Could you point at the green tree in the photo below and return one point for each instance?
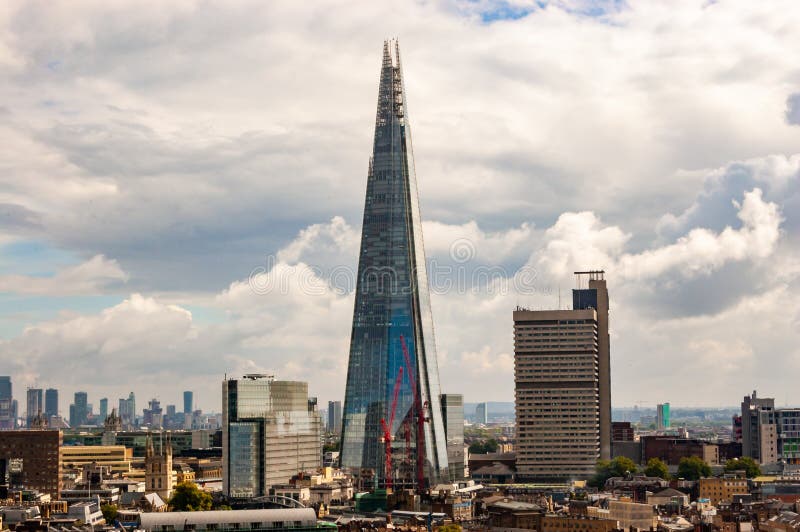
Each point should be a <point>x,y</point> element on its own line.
<point>656,468</point>
<point>618,467</point>
<point>693,468</point>
<point>109,513</point>
<point>187,497</point>
<point>483,447</point>
<point>748,465</point>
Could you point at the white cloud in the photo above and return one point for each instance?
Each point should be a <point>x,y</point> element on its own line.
<point>703,251</point>
<point>91,277</point>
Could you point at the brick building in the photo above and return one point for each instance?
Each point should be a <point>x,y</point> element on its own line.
<point>31,460</point>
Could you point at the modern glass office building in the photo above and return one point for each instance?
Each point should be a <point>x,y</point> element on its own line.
<point>271,431</point>
<point>392,307</point>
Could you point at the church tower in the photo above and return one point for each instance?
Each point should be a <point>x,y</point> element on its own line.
<point>158,468</point>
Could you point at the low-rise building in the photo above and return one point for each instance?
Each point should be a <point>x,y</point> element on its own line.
<point>668,497</point>
<point>564,523</point>
<point>116,457</point>
<point>514,514</point>
<point>294,520</point>
<point>718,489</point>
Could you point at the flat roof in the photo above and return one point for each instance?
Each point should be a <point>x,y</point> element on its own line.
<point>179,519</point>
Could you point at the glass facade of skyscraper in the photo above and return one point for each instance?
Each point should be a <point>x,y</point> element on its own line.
<point>270,432</point>
<point>392,305</point>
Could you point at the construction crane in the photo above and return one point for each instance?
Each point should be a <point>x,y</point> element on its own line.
<point>387,429</point>
<point>419,413</point>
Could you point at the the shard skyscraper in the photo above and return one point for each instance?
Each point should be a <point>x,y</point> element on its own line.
<point>392,432</point>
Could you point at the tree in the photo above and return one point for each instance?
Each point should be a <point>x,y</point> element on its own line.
<point>110,513</point>
<point>618,467</point>
<point>187,497</point>
<point>656,468</point>
<point>483,447</point>
<point>693,468</point>
<point>748,465</point>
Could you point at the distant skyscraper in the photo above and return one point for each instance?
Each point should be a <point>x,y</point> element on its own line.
<point>127,411</point>
<point>153,415</point>
<point>335,417</point>
<point>392,307</point>
<point>5,387</point>
<point>482,413</point>
<point>453,417</point>
<point>51,402</point>
<point>662,416</point>
<point>79,410</point>
<point>7,415</point>
<point>103,409</point>
<point>35,402</point>
<point>271,431</point>
<point>188,402</point>
<point>562,386</point>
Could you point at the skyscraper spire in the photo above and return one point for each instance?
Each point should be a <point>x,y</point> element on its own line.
<point>392,308</point>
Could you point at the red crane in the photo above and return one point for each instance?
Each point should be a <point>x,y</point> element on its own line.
<point>387,429</point>
<point>419,412</point>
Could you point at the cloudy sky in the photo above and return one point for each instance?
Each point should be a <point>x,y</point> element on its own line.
<point>183,184</point>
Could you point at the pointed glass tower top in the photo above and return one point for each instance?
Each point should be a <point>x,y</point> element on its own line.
<point>392,308</point>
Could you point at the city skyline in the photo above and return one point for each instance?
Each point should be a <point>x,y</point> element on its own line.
<point>147,185</point>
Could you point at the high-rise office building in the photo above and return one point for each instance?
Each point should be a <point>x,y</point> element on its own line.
<point>453,417</point>
<point>335,417</point>
<point>127,411</point>
<point>392,312</point>
<point>103,409</point>
<point>270,431</point>
<point>79,410</point>
<point>562,386</point>
<point>51,402</point>
<point>759,429</point>
<point>482,413</point>
<point>595,296</point>
<point>35,403</point>
<point>662,416</point>
<point>7,415</point>
<point>188,402</point>
<point>153,415</point>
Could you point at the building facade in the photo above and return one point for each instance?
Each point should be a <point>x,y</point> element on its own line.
<point>35,405</point>
<point>482,413</point>
<point>271,431</point>
<point>718,489</point>
<point>188,402</point>
<point>392,345</point>
<point>158,474</point>
<point>662,416</point>
<point>335,417</point>
<point>30,459</point>
<point>562,391</point>
<point>453,417</point>
<point>79,410</point>
<point>7,415</point>
<point>51,402</point>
